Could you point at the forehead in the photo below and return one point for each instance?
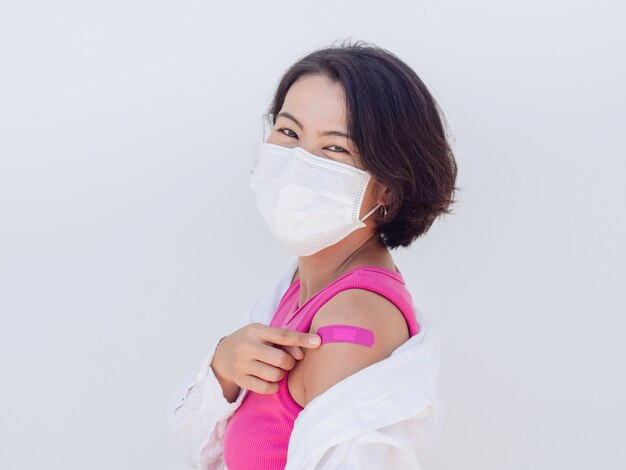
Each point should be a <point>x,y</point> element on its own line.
<point>317,102</point>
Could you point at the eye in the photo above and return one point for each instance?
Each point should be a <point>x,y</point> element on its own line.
<point>286,129</point>
<point>342,150</point>
<point>295,136</point>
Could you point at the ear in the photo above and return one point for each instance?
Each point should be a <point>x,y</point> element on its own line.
<point>383,194</point>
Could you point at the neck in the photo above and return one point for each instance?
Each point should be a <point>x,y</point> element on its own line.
<point>320,269</point>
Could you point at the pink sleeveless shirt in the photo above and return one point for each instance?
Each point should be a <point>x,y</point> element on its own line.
<point>257,434</point>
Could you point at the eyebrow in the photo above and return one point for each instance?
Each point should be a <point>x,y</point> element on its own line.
<point>292,117</point>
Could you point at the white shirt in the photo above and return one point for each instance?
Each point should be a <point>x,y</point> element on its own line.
<point>377,418</point>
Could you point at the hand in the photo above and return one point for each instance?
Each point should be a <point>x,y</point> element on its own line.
<point>253,358</point>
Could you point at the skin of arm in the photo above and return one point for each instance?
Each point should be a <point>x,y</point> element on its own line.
<point>325,366</point>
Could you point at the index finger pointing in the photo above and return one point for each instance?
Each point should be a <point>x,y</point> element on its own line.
<point>287,337</point>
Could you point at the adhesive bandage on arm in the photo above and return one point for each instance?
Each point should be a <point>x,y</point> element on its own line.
<point>346,334</point>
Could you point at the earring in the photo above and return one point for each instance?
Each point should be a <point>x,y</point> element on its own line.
<point>384,211</point>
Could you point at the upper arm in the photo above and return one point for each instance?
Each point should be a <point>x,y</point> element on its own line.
<point>330,363</point>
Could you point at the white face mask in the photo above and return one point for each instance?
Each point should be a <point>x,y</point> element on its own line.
<point>308,202</point>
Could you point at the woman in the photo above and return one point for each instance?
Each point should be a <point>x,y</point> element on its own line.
<point>356,163</point>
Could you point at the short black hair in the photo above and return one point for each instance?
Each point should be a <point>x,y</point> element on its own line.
<point>398,128</point>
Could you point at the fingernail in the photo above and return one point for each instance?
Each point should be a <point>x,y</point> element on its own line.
<point>314,339</point>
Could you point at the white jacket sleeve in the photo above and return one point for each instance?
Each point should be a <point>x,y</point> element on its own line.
<point>387,448</point>
<point>197,412</point>
<point>392,447</point>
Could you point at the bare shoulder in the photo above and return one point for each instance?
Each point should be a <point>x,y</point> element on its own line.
<point>323,367</point>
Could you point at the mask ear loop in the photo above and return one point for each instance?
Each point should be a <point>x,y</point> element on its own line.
<point>371,212</point>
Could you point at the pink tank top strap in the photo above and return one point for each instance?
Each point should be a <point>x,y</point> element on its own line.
<point>380,280</point>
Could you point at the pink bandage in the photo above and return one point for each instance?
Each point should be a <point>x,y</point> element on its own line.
<point>346,334</point>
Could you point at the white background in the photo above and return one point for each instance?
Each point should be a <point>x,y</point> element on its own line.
<point>129,238</point>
